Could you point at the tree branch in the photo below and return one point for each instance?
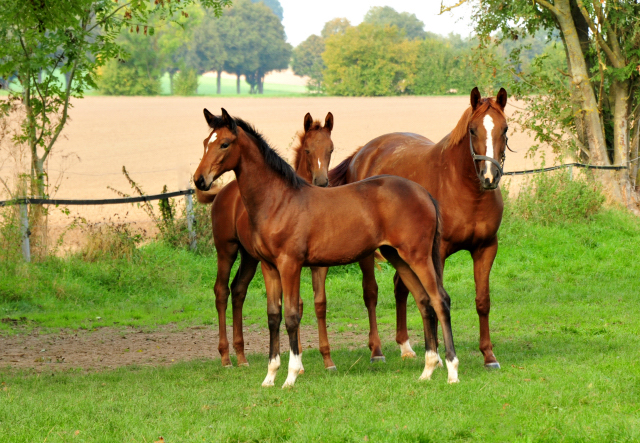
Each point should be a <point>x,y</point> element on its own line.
<point>549,6</point>
<point>613,57</point>
<point>101,22</point>
<point>444,8</point>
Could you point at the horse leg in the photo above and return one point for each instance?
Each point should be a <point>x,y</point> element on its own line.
<point>239,286</point>
<point>318,278</point>
<point>402,334</point>
<point>370,296</point>
<point>300,307</point>
<point>290,277</point>
<point>420,278</point>
<point>274,313</point>
<point>482,262</point>
<point>227,254</point>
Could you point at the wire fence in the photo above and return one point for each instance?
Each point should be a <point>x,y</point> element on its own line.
<point>24,202</point>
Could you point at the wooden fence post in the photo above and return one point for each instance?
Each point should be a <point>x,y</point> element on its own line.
<point>24,232</point>
<point>191,222</point>
<point>571,172</point>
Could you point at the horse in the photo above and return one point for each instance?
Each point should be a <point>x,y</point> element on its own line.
<point>462,171</point>
<point>294,224</point>
<point>232,235</point>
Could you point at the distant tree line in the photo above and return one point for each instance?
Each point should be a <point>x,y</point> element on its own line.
<point>248,40</point>
<point>390,53</point>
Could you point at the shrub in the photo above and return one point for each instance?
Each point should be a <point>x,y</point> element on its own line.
<point>127,79</point>
<point>185,82</point>
<point>111,241</point>
<point>550,198</point>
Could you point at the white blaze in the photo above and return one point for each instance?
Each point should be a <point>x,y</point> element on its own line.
<point>214,136</point>
<point>488,125</point>
<point>319,165</point>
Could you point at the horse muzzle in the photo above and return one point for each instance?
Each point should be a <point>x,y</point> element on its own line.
<point>201,184</point>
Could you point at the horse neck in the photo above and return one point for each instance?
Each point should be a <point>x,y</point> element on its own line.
<point>260,186</point>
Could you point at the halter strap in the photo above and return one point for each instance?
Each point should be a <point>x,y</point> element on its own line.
<point>478,158</point>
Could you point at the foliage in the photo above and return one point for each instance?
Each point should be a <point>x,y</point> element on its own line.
<point>369,60</point>
<point>336,26</point>
<point>552,198</point>
<point>127,79</point>
<point>110,241</point>
<point>274,5</point>
<point>186,82</point>
<point>307,61</point>
<point>599,87</point>
<point>387,16</point>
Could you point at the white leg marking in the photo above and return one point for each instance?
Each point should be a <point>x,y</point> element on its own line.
<point>430,362</point>
<point>295,363</point>
<point>439,362</point>
<point>452,367</point>
<point>406,351</point>
<point>272,370</point>
<point>488,125</point>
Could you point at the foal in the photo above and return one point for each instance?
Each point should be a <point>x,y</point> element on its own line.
<point>232,235</point>
<point>294,224</point>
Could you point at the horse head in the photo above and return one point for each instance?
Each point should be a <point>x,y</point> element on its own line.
<point>487,129</point>
<point>219,155</point>
<point>314,153</point>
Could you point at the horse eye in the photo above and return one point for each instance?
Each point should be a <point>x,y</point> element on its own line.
<point>307,151</point>
<point>473,131</point>
<point>224,146</point>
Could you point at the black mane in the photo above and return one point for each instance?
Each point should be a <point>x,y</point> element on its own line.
<point>272,158</point>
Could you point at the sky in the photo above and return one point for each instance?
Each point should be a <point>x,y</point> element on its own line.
<point>304,17</point>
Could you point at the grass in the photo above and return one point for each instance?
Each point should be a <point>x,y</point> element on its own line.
<point>565,328</point>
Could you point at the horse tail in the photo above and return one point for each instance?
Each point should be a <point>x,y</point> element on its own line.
<point>206,197</point>
<point>435,248</point>
<point>338,175</point>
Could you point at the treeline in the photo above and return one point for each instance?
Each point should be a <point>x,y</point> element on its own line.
<point>390,53</point>
<point>248,40</point>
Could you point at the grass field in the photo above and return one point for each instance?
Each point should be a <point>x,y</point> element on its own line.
<point>565,328</point>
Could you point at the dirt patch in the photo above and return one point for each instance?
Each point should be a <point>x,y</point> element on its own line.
<point>109,348</point>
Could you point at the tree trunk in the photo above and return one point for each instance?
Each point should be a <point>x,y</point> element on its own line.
<point>171,74</point>
<point>218,81</point>
<point>261,85</point>
<point>238,83</point>
<point>620,93</point>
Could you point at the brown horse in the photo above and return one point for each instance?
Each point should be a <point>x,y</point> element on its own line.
<point>462,172</point>
<point>232,234</point>
<point>294,224</point>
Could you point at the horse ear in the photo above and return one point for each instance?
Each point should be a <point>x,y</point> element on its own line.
<point>210,118</point>
<point>501,98</point>
<point>328,122</point>
<point>228,121</point>
<point>308,120</point>
<point>475,98</point>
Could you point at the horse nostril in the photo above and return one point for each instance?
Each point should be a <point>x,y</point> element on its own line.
<point>200,183</point>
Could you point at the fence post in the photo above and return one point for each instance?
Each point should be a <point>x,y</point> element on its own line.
<point>24,232</point>
<point>191,222</point>
<point>571,172</point>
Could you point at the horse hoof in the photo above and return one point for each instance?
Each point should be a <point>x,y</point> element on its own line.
<point>332,369</point>
<point>267,384</point>
<point>492,366</point>
<point>244,364</point>
<point>378,358</point>
<point>408,355</point>
<point>301,371</point>
<point>228,366</point>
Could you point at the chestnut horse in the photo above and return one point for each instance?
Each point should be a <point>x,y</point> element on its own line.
<point>462,172</point>
<point>294,224</point>
<point>232,235</point>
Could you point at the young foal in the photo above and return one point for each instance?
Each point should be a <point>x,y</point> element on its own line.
<point>232,234</point>
<point>294,224</point>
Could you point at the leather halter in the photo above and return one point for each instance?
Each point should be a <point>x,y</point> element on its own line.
<point>500,165</point>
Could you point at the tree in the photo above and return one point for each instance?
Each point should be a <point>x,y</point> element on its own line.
<point>307,60</point>
<point>274,5</point>
<point>601,86</point>
<point>369,60</point>
<point>254,42</point>
<point>387,16</point>
<point>207,50</point>
<point>39,39</point>
<point>336,26</point>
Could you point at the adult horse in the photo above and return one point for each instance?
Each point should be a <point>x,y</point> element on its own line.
<point>462,172</point>
<point>232,235</point>
<point>294,224</point>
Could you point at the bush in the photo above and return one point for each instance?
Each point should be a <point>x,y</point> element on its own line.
<point>111,241</point>
<point>550,198</point>
<point>126,79</point>
<point>10,237</point>
<point>185,83</point>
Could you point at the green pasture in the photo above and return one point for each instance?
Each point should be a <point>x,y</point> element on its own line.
<point>565,327</point>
